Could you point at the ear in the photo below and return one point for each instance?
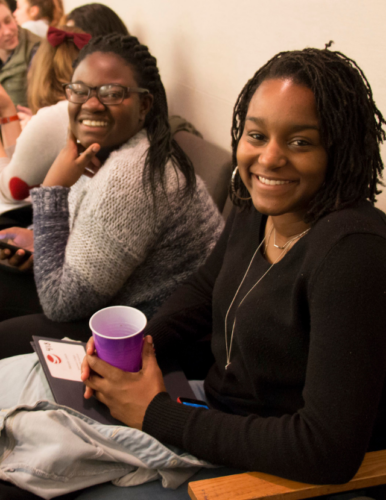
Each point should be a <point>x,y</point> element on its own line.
<point>146,104</point>
<point>34,12</point>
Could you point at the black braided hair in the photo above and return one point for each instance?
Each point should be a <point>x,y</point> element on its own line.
<point>350,125</point>
<point>162,147</point>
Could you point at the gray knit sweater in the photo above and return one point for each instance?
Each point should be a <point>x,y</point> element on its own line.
<point>107,241</point>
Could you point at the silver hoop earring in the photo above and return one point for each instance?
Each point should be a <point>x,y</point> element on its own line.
<point>233,185</point>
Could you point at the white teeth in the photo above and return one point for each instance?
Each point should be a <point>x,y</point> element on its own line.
<point>94,123</point>
<point>271,182</point>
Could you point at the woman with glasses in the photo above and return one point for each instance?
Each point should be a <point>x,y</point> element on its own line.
<point>120,217</point>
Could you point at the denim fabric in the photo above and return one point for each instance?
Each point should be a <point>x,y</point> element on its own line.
<point>51,450</point>
<point>62,435</point>
<point>197,387</point>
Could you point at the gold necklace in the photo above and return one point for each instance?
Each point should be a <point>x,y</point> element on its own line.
<point>285,245</point>
<point>285,248</point>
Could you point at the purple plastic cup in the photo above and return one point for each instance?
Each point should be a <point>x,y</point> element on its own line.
<point>118,338</point>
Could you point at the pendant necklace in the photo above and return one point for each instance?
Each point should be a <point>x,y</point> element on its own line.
<point>284,249</point>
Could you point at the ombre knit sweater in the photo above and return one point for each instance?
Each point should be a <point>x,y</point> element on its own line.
<point>107,241</point>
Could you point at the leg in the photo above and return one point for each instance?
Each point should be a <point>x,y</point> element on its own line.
<point>10,492</point>
<point>16,334</point>
<point>18,295</point>
<point>21,217</point>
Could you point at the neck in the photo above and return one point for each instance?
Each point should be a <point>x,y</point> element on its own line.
<point>287,226</point>
<point>279,231</point>
<point>104,153</point>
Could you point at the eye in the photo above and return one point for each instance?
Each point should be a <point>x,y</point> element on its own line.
<point>256,136</point>
<point>79,90</point>
<point>111,92</point>
<point>301,142</point>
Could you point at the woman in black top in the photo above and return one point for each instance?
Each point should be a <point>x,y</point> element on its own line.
<point>294,293</point>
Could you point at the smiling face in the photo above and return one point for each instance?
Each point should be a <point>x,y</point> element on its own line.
<point>280,155</point>
<point>109,126</point>
<point>9,38</point>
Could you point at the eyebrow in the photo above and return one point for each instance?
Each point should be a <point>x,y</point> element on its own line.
<point>294,128</point>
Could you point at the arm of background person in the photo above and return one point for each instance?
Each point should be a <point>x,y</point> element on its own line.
<point>36,149</point>
<point>24,114</point>
<point>9,131</point>
<point>325,441</point>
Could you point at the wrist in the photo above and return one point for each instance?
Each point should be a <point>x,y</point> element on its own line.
<point>9,118</point>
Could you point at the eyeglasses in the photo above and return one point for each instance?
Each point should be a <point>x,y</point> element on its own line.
<point>109,94</point>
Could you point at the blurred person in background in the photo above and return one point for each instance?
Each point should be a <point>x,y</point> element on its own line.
<point>12,5</point>
<point>17,48</point>
<point>96,19</point>
<point>37,15</point>
<point>21,162</point>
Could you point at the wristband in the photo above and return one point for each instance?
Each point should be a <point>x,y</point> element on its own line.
<point>8,119</point>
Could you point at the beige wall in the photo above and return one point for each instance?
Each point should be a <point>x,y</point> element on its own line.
<point>207,49</point>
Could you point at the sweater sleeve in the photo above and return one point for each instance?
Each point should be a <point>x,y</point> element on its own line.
<point>325,441</point>
<point>81,270</point>
<point>36,149</point>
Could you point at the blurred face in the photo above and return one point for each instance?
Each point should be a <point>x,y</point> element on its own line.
<point>280,155</point>
<point>9,38</point>
<point>22,13</point>
<point>109,126</point>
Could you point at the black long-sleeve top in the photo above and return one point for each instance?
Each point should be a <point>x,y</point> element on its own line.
<point>304,395</point>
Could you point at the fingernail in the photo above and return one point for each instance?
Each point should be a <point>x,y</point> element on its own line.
<point>95,149</point>
<point>20,252</point>
<point>149,340</point>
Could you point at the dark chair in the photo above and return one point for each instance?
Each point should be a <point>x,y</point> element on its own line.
<point>211,163</point>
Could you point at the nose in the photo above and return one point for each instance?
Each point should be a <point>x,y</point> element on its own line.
<point>272,155</point>
<point>93,103</point>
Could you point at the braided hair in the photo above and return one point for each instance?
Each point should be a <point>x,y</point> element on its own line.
<point>350,125</point>
<point>162,147</point>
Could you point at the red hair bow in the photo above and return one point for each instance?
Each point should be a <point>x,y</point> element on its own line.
<point>56,37</point>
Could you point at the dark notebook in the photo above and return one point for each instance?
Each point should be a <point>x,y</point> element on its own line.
<point>64,360</point>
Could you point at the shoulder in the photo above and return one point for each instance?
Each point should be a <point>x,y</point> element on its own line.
<point>42,138</point>
<point>38,27</point>
<point>245,224</point>
<point>58,111</point>
<point>49,124</point>
<point>132,152</point>
<point>27,38</point>
<point>346,241</point>
<point>136,144</point>
<point>361,219</point>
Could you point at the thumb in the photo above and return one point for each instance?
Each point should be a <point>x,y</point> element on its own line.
<point>84,159</point>
<point>148,353</point>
